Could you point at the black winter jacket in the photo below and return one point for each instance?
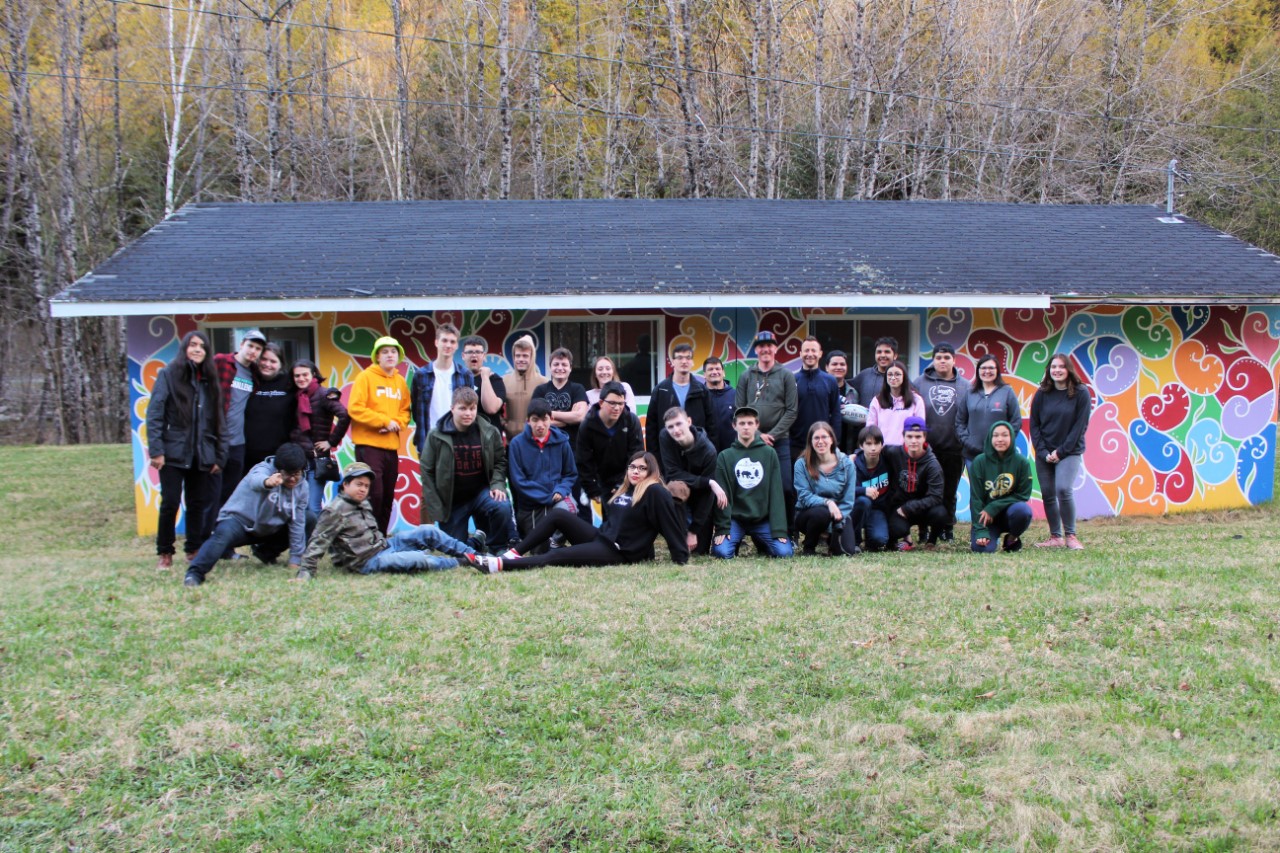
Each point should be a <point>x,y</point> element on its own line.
<point>602,458</point>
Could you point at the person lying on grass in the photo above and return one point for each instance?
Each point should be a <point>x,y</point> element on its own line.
<point>639,511</point>
<point>349,532</point>
<point>1000,486</point>
<point>268,510</point>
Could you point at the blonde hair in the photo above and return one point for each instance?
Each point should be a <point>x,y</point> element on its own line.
<point>655,476</point>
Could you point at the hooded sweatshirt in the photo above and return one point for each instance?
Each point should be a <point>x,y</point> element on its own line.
<point>752,479</point>
<point>263,511</point>
<point>997,482</point>
<point>634,525</point>
<point>942,399</point>
<point>979,411</point>
<point>539,473</point>
<point>878,478</point>
<point>602,453</point>
<point>377,398</point>
<point>917,483</point>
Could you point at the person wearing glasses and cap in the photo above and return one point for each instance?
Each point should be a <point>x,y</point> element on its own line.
<point>640,510</point>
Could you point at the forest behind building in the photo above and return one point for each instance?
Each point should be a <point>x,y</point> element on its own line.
<point>118,113</point>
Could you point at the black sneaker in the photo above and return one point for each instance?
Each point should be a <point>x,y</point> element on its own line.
<point>193,579</point>
<point>948,535</point>
<point>478,542</point>
<point>1012,543</point>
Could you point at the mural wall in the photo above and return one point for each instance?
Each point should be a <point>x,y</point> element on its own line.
<point>1184,398</point>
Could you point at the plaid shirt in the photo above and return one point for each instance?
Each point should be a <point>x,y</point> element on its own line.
<point>226,363</point>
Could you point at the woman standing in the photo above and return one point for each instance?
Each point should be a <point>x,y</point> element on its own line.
<point>602,373</point>
<point>322,423</point>
<point>999,488</point>
<point>988,401</point>
<point>185,442</point>
<point>271,415</point>
<point>895,403</point>
<point>639,511</point>
<point>825,491</point>
<point>1059,417</point>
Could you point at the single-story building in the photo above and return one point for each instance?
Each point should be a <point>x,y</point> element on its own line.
<point>1175,326</point>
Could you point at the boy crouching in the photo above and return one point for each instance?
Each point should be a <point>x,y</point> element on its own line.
<point>351,535</point>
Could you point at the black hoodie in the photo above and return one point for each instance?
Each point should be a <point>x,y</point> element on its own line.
<point>917,483</point>
<point>602,456</point>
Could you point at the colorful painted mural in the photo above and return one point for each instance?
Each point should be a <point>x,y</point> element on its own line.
<point>1184,398</point>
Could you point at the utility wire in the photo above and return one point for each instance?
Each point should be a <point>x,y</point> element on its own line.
<point>737,75</point>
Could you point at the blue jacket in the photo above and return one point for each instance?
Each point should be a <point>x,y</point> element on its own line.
<point>424,383</point>
<point>538,473</point>
<point>263,511</point>
<point>839,486</point>
<point>818,396</point>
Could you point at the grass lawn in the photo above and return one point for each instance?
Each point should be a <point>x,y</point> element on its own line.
<point>1125,697</point>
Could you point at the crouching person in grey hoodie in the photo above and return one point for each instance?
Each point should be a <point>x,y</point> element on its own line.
<point>267,510</point>
<point>351,535</point>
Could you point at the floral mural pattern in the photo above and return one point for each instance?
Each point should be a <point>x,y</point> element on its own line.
<point>1184,410</point>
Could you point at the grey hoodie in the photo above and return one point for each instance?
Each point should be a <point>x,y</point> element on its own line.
<point>263,511</point>
<point>942,399</point>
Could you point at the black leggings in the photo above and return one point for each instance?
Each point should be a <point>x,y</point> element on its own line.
<point>814,521</point>
<point>588,547</point>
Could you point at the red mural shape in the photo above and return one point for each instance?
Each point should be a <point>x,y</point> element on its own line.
<point>1033,324</point>
<point>416,335</point>
<point>1245,377</point>
<point>1166,410</point>
<point>1257,337</point>
<point>999,344</point>
<point>1178,485</point>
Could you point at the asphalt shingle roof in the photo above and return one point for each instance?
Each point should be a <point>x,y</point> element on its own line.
<point>665,249</point>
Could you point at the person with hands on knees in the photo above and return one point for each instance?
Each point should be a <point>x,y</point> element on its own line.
<point>689,464</point>
<point>871,495</point>
<point>999,488</point>
<point>267,510</point>
<point>639,511</point>
<point>917,488</point>
<point>825,492</point>
<point>349,532</point>
<point>751,478</point>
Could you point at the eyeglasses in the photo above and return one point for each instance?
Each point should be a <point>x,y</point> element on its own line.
<point>473,352</point>
<point>614,403</point>
<point>638,468</point>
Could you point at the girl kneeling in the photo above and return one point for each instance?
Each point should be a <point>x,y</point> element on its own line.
<point>999,488</point>
<point>639,510</point>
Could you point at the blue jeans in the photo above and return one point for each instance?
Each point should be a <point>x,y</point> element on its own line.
<point>760,533</point>
<point>1014,520</point>
<point>406,552</point>
<point>315,493</point>
<point>493,517</point>
<point>870,522</point>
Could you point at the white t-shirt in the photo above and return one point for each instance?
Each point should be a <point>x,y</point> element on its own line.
<point>441,394</point>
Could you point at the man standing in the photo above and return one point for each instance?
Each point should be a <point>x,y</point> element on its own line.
<point>235,373</point>
<point>869,382</point>
<point>379,410</point>
<point>689,458</point>
<point>520,383</point>
<point>610,436</point>
<point>464,475</point>
<point>917,487</point>
<point>722,395</point>
<point>568,401</point>
<point>942,390</point>
<point>448,373</point>
<point>770,389</point>
<point>817,396</point>
<point>749,475</point>
<point>488,385</point>
<point>682,390</point>
<point>542,469</point>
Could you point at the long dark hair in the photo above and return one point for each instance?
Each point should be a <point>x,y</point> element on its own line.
<point>977,372</point>
<point>185,376</point>
<point>886,396</point>
<point>810,455</point>
<point>654,476</point>
<point>1073,381</point>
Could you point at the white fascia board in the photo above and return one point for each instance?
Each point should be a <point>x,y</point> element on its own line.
<point>472,302</point>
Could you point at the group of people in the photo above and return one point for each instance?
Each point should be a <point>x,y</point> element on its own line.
<point>511,465</point>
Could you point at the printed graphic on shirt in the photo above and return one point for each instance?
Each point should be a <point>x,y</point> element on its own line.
<point>1002,486</point>
<point>877,481</point>
<point>749,473</point>
<point>622,500</point>
<point>942,398</point>
<point>559,401</point>
<point>389,393</point>
<point>241,384</point>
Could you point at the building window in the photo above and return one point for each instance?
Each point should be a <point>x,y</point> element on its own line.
<point>857,336</point>
<point>629,343</point>
<point>296,341</point>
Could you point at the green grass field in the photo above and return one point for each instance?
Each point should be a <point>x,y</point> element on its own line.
<point>1122,698</point>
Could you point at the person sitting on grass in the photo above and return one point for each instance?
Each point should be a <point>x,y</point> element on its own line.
<point>999,488</point>
<point>639,511</point>
<point>268,510</point>
<point>349,532</point>
<point>917,493</point>
<point>871,495</point>
<point>542,470</point>
<point>825,484</point>
<point>751,478</point>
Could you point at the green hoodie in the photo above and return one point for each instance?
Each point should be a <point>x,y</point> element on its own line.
<point>752,479</point>
<point>997,482</point>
